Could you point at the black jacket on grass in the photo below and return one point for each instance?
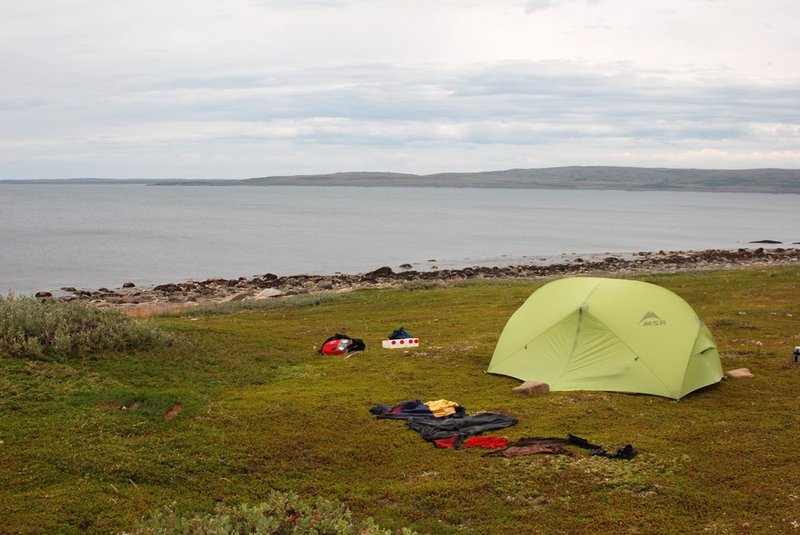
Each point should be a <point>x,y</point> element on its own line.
<point>435,428</point>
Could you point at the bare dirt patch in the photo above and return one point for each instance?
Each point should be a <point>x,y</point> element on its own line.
<point>173,411</point>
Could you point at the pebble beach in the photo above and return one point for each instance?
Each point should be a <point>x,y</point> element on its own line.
<point>191,293</point>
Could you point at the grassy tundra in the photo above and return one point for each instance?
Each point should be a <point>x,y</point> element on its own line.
<point>239,405</point>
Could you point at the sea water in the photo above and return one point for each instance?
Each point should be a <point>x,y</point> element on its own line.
<point>92,236</point>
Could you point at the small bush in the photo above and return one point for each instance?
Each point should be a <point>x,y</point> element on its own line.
<point>420,284</point>
<point>292,301</point>
<point>50,330</point>
<point>281,513</point>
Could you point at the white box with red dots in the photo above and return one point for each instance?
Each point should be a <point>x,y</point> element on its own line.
<point>401,343</point>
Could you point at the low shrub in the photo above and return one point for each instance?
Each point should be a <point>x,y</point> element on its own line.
<point>281,513</point>
<point>293,301</point>
<point>50,330</point>
<point>420,284</point>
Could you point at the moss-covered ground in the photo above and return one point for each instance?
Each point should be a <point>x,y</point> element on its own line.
<point>86,446</point>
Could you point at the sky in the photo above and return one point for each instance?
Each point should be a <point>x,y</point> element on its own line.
<point>250,88</point>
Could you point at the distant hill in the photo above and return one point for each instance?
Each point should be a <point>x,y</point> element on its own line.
<point>574,177</point>
<point>620,178</point>
<point>94,181</point>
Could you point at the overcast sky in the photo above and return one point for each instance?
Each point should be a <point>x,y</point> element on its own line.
<point>246,88</point>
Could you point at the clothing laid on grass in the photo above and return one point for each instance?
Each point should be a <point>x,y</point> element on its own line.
<point>445,423</point>
<point>533,445</point>
<point>457,441</point>
<point>443,407</point>
<point>556,445</point>
<point>415,408</point>
<point>627,452</point>
<point>436,428</point>
<point>489,442</point>
<point>452,443</point>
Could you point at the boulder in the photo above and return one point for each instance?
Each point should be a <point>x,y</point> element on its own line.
<point>739,373</point>
<point>532,388</point>
<point>233,298</point>
<point>128,285</point>
<point>168,288</point>
<point>268,293</point>
<point>384,271</point>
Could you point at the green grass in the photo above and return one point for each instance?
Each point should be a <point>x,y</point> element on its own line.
<point>262,412</point>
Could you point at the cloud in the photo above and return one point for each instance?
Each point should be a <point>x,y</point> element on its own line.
<point>300,4</point>
<point>540,5</point>
<point>324,85</point>
<point>514,103</point>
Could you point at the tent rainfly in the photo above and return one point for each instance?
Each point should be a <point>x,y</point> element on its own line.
<point>589,333</point>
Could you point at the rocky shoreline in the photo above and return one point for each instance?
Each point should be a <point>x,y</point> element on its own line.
<point>270,286</point>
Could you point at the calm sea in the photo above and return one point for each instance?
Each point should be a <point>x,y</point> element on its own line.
<point>92,236</point>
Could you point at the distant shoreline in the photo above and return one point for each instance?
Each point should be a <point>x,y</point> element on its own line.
<point>269,286</point>
<point>778,181</point>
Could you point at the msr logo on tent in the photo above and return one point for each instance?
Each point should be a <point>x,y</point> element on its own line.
<point>651,319</point>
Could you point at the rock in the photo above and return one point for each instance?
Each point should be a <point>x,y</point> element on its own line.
<point>765,241</point>
<point>233,298</point>
<point>167,288</point>
<point>532,388</point>
<point>384,271</point>
<point>268,293</point>
<point>43,295</point>
<point>216,289</point>
<point>739,373</point>
<point>405,266</point>
<point>263,282</point>
<point>129,285</point>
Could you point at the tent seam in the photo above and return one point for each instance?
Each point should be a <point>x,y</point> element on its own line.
<point>578,331</point>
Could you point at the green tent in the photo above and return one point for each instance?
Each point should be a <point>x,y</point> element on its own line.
<point>587,333</point>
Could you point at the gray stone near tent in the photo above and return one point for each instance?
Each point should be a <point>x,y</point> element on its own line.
<point>739,373</point>
<point>533,388</point>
